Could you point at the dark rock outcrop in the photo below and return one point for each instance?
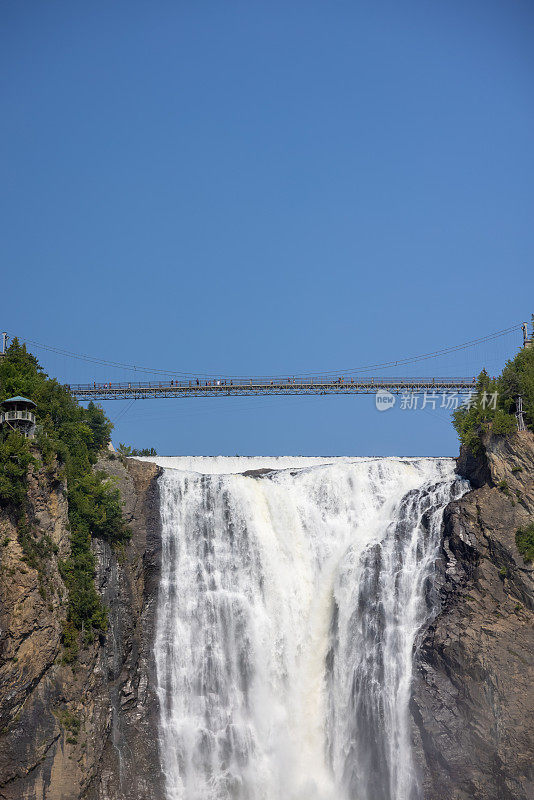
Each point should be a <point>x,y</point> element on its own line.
<point>473,702</point>
<point>86,730</point>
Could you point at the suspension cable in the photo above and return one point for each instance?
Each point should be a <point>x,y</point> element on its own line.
<point>351,371</point>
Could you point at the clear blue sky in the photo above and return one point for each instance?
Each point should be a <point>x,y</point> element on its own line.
<point>253,187</point>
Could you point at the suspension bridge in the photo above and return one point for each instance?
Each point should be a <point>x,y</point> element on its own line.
<point>245,387</point>
<point>160,383</point>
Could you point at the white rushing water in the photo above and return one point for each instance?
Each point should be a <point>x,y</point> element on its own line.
<point>289,608</point>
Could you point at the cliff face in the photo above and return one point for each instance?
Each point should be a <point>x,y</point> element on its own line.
<point>472,709</point>
<point>89,730</point>
<point>86,730</point>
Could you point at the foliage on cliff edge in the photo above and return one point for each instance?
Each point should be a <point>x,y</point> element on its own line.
<point>68,439</point>
<point>494,405</point>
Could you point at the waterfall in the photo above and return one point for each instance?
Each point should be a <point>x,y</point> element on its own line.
<point>289,608</point>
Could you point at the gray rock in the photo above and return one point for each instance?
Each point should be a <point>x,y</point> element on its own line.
<point>473,701</point>
<point>109,693</point>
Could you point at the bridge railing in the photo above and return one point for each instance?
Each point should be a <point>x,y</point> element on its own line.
<point>227,383</point>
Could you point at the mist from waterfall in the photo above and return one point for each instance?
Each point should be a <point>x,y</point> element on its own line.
<point>289,609</point>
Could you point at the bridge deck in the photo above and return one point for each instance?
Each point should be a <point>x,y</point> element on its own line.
<point>224,387</point>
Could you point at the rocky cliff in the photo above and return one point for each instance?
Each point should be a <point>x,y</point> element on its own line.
<point>86,729</point>
<point>473,703</point>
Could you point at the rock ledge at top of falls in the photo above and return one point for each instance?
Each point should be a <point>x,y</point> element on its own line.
<point>473,700</point>
<point>257,473</point>
<point>89,731</point>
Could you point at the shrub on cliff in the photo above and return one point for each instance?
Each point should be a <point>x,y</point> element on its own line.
<point>518,379</point>
<point>524,540</point>
<point>493,406</point>
<point>15,458</point>
<point>126,450</point>
<point>73,435</point>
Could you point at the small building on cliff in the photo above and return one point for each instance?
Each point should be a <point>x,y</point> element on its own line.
<point>17,414</point>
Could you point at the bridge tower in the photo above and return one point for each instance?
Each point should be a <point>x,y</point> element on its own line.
<point>519,414</point>
<point>528,340</point>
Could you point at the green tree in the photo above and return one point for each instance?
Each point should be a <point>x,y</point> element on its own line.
<point>15,458</point>
<point>494,404</point>
<point>518,379</point>
<point>100,426</point>
<point>144,451</point>
<point>72,436</point>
